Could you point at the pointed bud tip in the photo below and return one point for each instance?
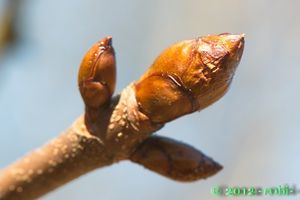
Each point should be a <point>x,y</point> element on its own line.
<point>106,42</point>
<point>234,37</point>
<point>233,41</point>
<point>240,36</point>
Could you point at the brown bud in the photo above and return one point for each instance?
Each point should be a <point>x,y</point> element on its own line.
<point>97,73</point>
<point>189,76</point>
<point>174,159</point>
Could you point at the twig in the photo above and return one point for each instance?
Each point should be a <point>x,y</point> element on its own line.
<point>188,76</point>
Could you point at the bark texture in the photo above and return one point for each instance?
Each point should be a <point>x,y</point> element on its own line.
<point>80,149</point>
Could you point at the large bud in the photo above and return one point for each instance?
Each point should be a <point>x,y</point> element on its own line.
<point>189,76</point>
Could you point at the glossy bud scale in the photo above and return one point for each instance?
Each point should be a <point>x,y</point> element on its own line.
<point>97,74</point>
<point>189,76</point>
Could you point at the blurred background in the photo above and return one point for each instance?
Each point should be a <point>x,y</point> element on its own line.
<point>253,131</point>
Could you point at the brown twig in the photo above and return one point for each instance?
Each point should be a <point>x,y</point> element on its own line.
<point>73,153</point>
<point>188,76</point>
<point>8,19</point>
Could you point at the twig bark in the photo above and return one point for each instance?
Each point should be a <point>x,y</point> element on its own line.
<point>70,155</point>
<point>78,150</point>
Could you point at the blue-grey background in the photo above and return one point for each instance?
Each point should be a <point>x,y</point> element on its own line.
<point>253,131</point>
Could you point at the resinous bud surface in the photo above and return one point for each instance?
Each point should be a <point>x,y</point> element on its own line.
<point>97,73</point>
<point>189,76</point>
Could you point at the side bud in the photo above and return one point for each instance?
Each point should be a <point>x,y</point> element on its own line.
<point>189,76</point>
<point>97,74</point>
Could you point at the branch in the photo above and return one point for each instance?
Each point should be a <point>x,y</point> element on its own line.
<point>186,77</point>
<point>8,18</point>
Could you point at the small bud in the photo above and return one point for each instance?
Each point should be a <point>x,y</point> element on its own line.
<point>97,74</point>
<point>174,159</point>
<point>189,76</point>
